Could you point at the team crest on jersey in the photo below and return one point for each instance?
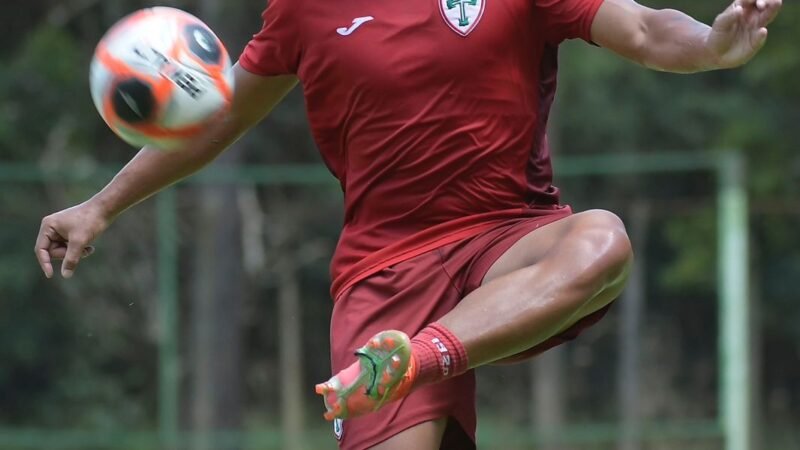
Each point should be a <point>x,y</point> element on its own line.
<point>462,16</point>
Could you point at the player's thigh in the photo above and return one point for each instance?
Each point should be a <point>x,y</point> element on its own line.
<point>425,436</point>
<point>537,244</point>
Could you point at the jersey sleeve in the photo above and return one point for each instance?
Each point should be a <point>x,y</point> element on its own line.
<point>275,50</point>
<point>567,19</point>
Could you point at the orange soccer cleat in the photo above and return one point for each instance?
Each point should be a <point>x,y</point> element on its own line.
<point>384,372</point>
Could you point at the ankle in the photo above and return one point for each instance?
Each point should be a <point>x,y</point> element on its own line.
<point>438,355</point>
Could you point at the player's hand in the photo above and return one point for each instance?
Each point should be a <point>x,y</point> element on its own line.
<point>741,30</point>
<point>66,235</point>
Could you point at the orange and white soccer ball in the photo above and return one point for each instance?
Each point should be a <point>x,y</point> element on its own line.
<point>159,76</point>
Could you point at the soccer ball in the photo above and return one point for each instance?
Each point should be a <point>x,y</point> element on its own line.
<point>159,76</point>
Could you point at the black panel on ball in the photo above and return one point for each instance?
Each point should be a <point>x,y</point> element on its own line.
<point>133,101</point>
<point>203,44</point>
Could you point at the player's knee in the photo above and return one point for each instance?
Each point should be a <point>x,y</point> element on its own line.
<point>609,246</point>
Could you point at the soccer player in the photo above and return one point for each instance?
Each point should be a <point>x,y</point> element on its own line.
<point>432,115</point>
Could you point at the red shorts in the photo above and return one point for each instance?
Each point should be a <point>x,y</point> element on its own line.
<point>410,295</point>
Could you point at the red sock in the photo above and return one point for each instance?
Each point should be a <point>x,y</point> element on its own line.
<point>438,354</point>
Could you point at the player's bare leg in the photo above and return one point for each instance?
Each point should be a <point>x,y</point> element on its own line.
<point>541,286</point>
<point>425,436</point>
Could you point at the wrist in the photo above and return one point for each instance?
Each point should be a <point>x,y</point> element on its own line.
<point>101,206</point>
<point>711,59</point>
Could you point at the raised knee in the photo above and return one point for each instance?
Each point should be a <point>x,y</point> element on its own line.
<point>605,235</point>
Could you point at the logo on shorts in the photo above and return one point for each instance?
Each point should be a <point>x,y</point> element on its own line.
<point>338,428</point>
<point>462,16</point>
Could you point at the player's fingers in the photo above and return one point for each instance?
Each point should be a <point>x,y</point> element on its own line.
<point>759,39</point>
<point>75,249</point>
<point>42,247</point>
<point>729,18</point>
<point>60,251</point>
<point>752,8</point>
<point>770,12</point>
<point>44,262</point>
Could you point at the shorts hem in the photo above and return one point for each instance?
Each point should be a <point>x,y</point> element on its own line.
<point>403,425</point>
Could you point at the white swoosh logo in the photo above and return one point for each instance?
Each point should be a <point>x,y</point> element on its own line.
<point>357,22</point>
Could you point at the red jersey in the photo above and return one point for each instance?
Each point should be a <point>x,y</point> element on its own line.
<point>430,113</point>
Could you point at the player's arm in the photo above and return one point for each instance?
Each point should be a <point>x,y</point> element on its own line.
<point>672,41</point>
<point>151,170</point>
<point>66,234</point>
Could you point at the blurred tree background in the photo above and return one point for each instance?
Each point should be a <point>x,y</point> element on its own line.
<point>82,354</point>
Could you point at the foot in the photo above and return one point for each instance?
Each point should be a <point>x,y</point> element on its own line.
<point>383,373</point>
